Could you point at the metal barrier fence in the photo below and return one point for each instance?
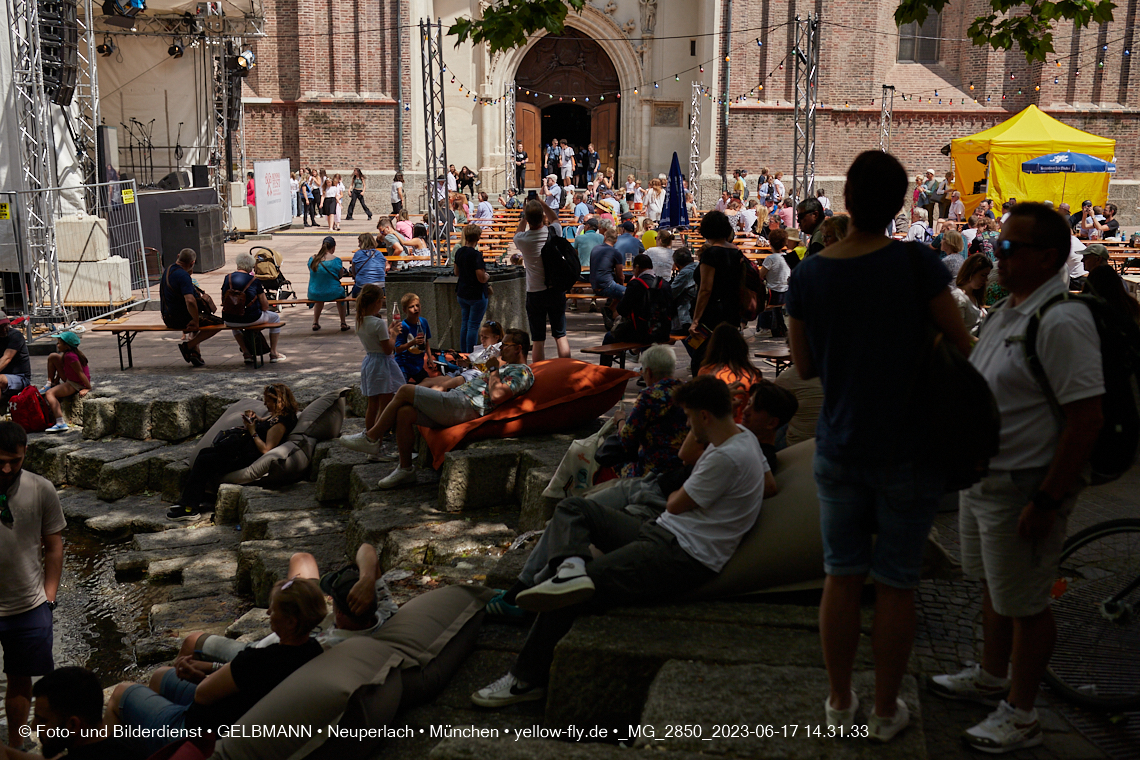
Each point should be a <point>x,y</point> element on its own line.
<point>99,265</point>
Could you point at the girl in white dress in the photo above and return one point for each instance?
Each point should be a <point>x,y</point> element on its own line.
<point>380,376</point>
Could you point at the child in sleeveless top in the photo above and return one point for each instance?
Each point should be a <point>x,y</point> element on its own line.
<point>68,374</point>
<point>380,375</point>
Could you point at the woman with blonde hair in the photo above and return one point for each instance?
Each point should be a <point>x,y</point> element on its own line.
<point>835,229</point>
<point>969,289</point>
<point>380,375</point>
<point>324,282</point>
<point>654,200</point>
<point>952,245</point>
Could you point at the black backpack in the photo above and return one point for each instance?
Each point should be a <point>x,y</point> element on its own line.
<point>1118,444</point>
<point>560,262</point>
<point>656,325</point>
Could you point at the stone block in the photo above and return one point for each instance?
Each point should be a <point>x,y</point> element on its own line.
<point>210,614</point>
<point>98,417</point>
<point>263,563</point>
<point>356,402</point>
<point>705,695</point>
<point>254,623</point>
<point>534,508</point>
<point>372,524</point>
<point>132,418</point>
<point>174,454</point>
<point>294,497</point>
<point>215,567</point>
<point>177,418</point>
<point>364,479</point>
<point>259,526</point>
<point>509,565</point>
<point>40,444</point>
<point>183,592</point>
<point>84,465</point>
<point>126,517</point>
<point>156,650</point>
<point>228,504</point>
<point>478,478</point>
<point>334,473</point>
<point>123,477</point>
<point>215,403</point>
<point>441,543</point>
<point>51,463</point>
<point>582,687</point>
<point>172,479</point>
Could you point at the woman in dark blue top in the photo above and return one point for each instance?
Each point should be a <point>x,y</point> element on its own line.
<point>472,290</point>
<point>868,476</point>
<point>256,311</point>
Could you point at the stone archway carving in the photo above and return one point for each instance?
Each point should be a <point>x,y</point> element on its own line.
<point>620,49</point>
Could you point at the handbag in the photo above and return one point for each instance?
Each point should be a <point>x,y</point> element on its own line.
<point>613,452</point>
<point>232,440</point>
<point>575,473</point>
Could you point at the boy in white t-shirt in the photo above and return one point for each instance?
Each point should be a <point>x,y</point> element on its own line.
<point>643,561</point>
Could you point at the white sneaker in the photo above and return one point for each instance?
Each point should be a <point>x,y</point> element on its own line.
<point>971,685</point>
<point>884,729</point>
<point>399,477</point>
<point>507,691</point>
<point>59,427</point>
<point>1005,730</point>
<point>570,585</point>
<point>360,442</point>
<point>841,718</point>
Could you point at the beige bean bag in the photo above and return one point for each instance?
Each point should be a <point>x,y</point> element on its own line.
<point>361,683</point>
<point>288,463</point>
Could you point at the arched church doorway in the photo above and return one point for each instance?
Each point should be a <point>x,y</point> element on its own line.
<point>567,89</point>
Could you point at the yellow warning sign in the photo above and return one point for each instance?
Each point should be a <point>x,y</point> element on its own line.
<point>128,196</point>
<point>4,212</point>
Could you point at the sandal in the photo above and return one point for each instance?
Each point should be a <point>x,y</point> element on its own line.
<point>316,327</point>
<point>344,327</point>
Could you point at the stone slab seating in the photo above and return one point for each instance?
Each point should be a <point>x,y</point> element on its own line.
<point>320,421</point>
<point>566,393</point>
<point>362,683</point>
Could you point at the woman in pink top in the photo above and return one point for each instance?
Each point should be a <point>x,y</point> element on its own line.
<point>68,374</point>
<point>250,196</point>
<point>787,214</point>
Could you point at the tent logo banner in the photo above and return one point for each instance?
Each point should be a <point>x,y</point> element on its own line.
<point>1060,158</point>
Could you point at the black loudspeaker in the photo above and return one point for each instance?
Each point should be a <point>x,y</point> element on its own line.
<point>196,227</point>
<point>201,174</point>
<point>174,181</point>
<point>59,46</point>
<point>107,151</point>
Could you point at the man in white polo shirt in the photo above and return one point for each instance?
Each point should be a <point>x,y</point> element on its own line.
<point>1013,522</point>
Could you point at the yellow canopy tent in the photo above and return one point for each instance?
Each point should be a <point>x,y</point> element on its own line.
<point>1023,137</point>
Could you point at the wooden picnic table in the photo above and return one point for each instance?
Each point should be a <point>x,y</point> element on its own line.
<point>779,356</point>
<point>125,333</point>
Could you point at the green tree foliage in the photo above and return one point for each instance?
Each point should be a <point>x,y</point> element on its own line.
<point>506,24</point>
<point>1014,23</point>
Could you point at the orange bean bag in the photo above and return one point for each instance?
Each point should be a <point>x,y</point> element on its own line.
<point>566,393</point>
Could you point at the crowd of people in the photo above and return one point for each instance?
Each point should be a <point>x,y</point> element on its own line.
<point>705,448</point>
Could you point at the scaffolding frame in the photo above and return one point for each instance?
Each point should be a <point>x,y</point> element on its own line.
<point>695,142</point>
<point>510,136</point>
<point>806,54</point>
<point>37,159</point>
<point>87,113</point>
<point>886,118</point>
<point>216,52</point>
<point>438,215</point>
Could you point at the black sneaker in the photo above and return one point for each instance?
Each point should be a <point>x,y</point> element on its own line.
<point>184,347</point>
<point>181,513</point>
<point>197,360</point>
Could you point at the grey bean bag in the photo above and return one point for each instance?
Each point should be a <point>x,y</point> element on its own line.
<point>288,463</point>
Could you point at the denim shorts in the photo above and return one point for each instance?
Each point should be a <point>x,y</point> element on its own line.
<point>139,706</point>
<point>26,639</point>
<point>16,382</point>
<point>876,517</point>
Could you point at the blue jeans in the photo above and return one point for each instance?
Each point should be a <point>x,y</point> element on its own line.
<point>612,290</point>
<point>139,706</point>
<point>892,502</point>
<point>471,315</point>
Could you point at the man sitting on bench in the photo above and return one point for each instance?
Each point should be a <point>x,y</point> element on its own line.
<point>643,561</point>
<point>183,304</point>
<point>637,308</point>
<point>508,376</point>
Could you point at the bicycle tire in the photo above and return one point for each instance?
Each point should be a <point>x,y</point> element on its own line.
<point>1094,664</point>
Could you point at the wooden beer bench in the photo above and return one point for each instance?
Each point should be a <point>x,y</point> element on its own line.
<point>125,335</point>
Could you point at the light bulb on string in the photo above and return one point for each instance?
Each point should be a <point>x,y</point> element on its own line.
<point>971,85</point>
<point>761,88</point>
<point>655,85</point>
<point>1037,88</point>
<point>1056,80</point>
<point>759,43</point>
<point>676,77</point>
<point>702,69</point>
<point>1100,63</point>
<point>727,58</point>
<point>634,90</point>
<point>1011,77</point>
<point>936,94</point>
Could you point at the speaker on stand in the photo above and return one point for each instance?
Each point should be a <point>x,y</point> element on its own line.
<point>59,46</point>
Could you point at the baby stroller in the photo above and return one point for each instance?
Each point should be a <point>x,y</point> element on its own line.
<point>267,270</point>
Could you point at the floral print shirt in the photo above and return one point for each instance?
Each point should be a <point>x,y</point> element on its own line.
<point>655,429</point>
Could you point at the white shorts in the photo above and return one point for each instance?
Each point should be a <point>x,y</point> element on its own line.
<point>567,172</point>
<point>1019,572</point>
<point>266,318</point>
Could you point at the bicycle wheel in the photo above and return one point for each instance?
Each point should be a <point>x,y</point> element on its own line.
<point>1095,662</point>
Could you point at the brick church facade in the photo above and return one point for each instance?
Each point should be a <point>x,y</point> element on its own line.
<point>339,85</point>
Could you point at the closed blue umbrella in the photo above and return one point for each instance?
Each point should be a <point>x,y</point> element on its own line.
<point>1056,163</point>
<point>675,213</point>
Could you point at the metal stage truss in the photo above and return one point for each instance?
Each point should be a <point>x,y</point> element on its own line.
<point>886,118</point>
<point>37,152</point>
<point>438,215</point>
<point>87,107</point>
<point>510,137</point>
<point>695,143</point>
<point>806,54</point>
